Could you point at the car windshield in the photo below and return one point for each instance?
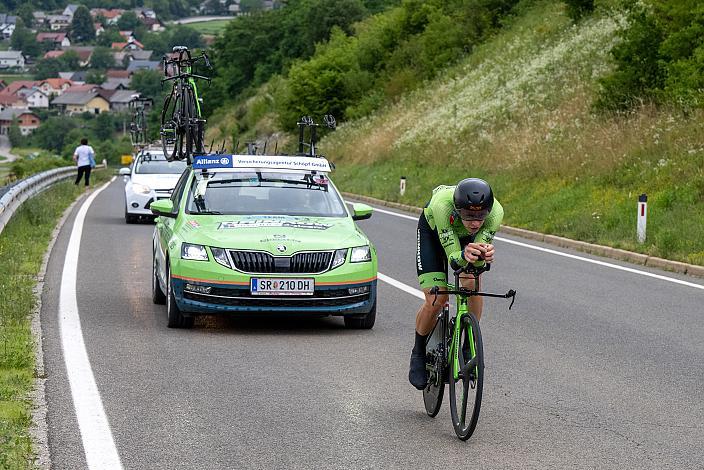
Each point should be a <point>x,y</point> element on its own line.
<point>265,193</point>
<point>151,164</point>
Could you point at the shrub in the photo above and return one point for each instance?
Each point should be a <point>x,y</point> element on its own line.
<point>576,9</point>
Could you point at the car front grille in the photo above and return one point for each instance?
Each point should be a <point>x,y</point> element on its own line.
<point>243,298</point>
<point>257,262</point>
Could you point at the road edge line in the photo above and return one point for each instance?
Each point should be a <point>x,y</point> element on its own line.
<point>98,443</point>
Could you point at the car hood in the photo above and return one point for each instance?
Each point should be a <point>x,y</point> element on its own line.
<point>157,181</point>
<point>279,235</point>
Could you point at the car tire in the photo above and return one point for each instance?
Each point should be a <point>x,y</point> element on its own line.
<point>174,316</point>
<point>158,296</point>
<point>129,218</point>
<point>365,322</point>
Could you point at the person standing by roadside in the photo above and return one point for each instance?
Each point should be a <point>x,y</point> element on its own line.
<point>84,156</point>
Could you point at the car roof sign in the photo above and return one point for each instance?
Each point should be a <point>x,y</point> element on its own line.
<point>216,161</point>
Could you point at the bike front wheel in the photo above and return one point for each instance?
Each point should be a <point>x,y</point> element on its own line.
<point>467,378</point>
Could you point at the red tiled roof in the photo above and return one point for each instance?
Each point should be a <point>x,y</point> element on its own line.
<point>8,99</point>
<point>56,37</point>
<point>53,54</point>
<point>15,86</point>
<point>114,73</point>
<point>57,83</point>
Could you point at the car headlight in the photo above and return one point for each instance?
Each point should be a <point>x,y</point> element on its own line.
<point>220,257</point>
<point>339,258</point>
<point>141,188</point>
<point>361,254</point>
<point>193,252</point>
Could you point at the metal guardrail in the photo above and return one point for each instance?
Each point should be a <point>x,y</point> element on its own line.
<point>28,187</point>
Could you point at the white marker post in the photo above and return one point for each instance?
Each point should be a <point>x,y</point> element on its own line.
<point>402,186</point>
<point>642,216</point>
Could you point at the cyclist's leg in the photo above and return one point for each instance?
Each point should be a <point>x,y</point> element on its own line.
<point>431,268</point>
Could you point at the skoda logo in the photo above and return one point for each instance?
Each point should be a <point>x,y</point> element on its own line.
<point>281,248</point>
<point>224,161</point>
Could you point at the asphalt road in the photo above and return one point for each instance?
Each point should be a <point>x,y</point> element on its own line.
<point>593,368</point>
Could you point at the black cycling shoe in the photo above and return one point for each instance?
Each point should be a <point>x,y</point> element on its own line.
<point>417,374</point>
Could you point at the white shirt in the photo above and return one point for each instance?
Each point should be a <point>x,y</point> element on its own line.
<point>83,153</point>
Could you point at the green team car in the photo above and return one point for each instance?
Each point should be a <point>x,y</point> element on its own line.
<point>249,234</point>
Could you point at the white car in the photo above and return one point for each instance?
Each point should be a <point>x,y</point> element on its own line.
<point>149,179</point>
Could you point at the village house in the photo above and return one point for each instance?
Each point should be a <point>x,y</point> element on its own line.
<point>136,65</point>
<point>34,97</point>
<point>70,10</point>
<point>58,22</point>
<point>12,60</point>
<point>78,77</point>
<point>57,40</point>
<point>28,121</point>
<point>54,86</point>
<point>131,45</point>
<point>113,83</point>
<point>111,16</point>
<point>39,18</point>
<point>11,100</point>
<point>7,25</point>
<point>120,100</point>
<point>82,102</point>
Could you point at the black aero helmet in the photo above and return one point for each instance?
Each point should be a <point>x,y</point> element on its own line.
<point>473,199</point>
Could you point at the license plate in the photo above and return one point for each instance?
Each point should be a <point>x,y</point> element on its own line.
<point>281,286</point>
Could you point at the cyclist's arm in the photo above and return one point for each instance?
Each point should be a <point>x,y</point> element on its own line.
<point>440,217</point>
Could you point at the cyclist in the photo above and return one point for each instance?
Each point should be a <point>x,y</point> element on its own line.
<point>458,224</point>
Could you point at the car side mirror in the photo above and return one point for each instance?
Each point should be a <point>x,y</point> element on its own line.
<point>163,207</point>
<point>361,211</point>
<point>125,172</point>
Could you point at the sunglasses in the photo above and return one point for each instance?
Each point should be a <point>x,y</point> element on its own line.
<point>470,215</point>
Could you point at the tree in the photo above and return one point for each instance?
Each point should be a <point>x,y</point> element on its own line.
<point>109,36</point>
<point>25,11</point>
<point>104,126</point>
<point>82,29</point>
<point>148,83</point>
<point>102,59</point>
<point>23,39</point>
<point>95,77</point>
<point>48,68</point>
<point>128,21</point>
<point>71,60</point>
<point>185,36</point>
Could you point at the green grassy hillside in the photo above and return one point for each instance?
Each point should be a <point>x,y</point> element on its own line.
<point>518,112</point>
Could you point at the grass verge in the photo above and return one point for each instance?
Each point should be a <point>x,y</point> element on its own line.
<point>23,243</point>
<point>209,27</point>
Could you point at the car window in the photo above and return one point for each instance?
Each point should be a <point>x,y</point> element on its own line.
<point>151,164</point>
<point>178,189</point>
<point>265,193</point>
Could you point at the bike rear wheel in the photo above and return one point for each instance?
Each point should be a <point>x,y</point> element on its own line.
<point>174,123</point>
<point>466,389</point>
<point>437,372</point>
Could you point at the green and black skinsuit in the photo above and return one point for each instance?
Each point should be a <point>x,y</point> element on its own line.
<point>442,236</point>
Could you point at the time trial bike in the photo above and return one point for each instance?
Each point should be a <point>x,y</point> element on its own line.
<point>455,354</point>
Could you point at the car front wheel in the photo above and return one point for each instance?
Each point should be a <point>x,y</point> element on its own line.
<point>365,322</point>
<point>158,296</point>
<point>174,317</point>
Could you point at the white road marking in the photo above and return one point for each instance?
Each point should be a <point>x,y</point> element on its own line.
<point>98,443</point>
<point>402,286</point>
<point>567,255</point>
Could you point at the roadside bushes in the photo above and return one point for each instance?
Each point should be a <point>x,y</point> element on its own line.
<point>389,54</point>
<point>661,57</point>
